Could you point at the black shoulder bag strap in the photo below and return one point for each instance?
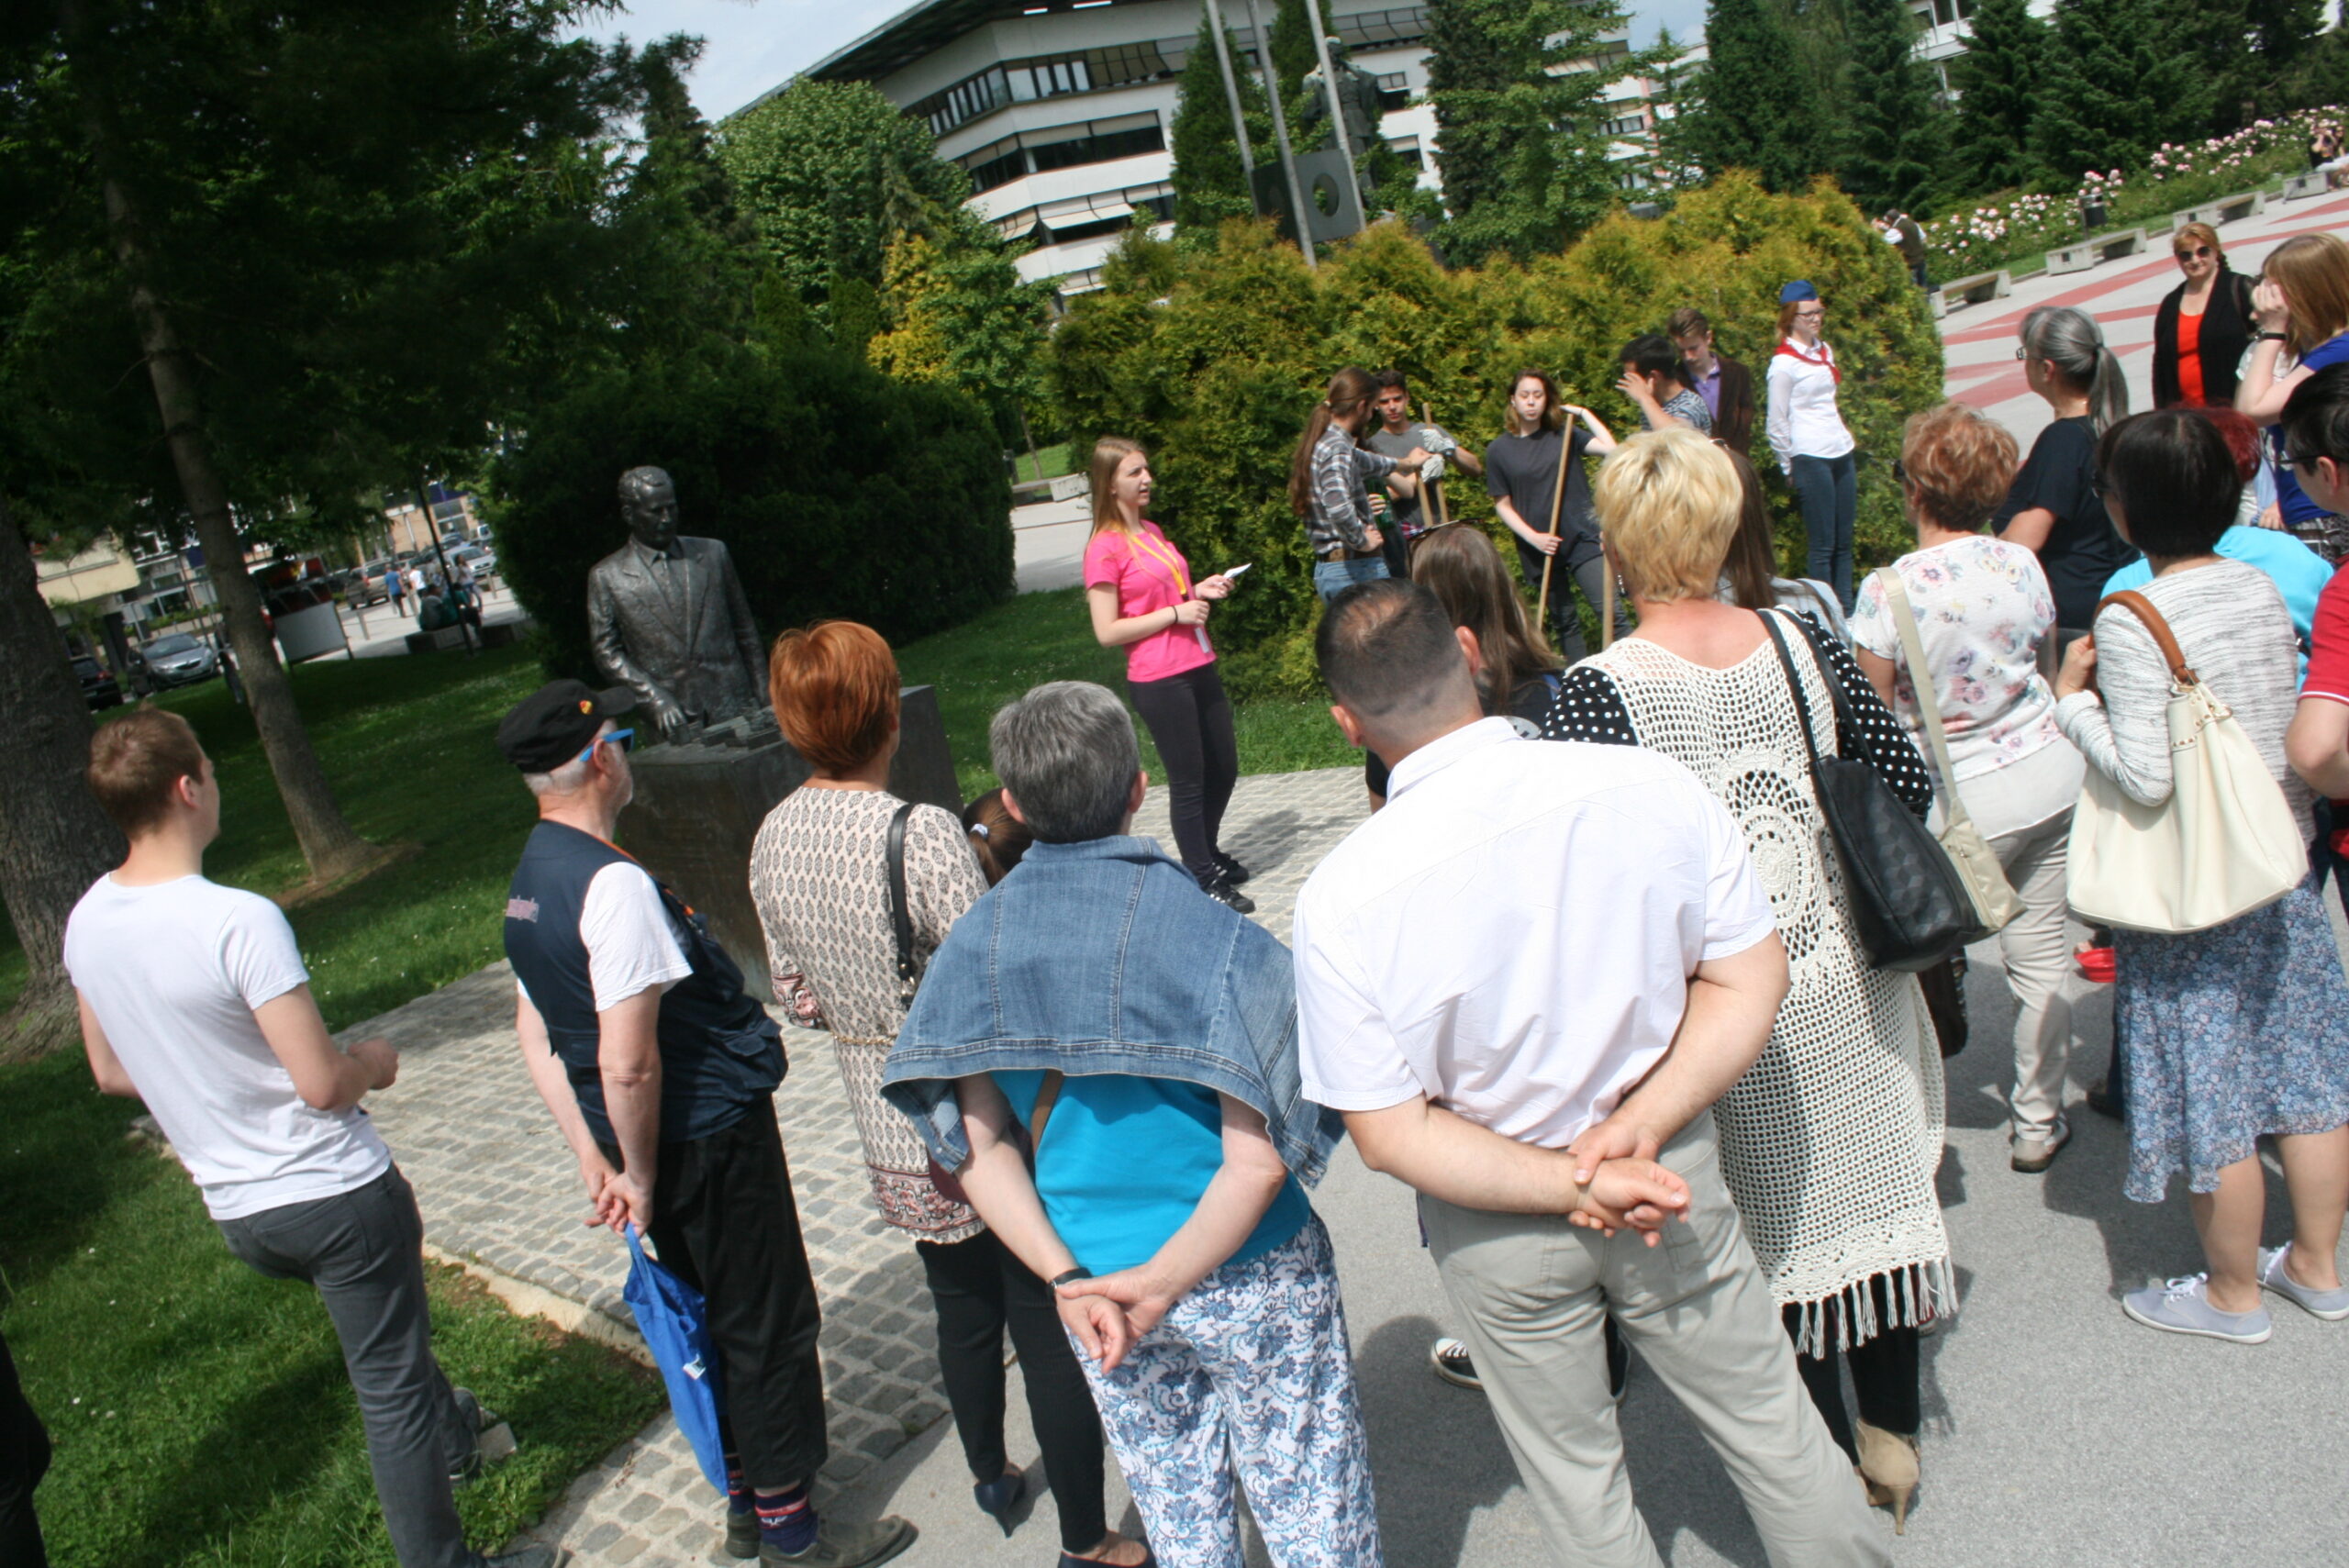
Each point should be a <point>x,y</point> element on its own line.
<point>901,916</point>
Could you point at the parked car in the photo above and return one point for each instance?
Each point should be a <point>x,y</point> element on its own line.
<point>98,689</point>
<point>364,586</point>
<point>176,659</point>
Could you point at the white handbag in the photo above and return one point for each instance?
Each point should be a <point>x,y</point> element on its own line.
<point>2223,844</point>
<point>1976,863</point>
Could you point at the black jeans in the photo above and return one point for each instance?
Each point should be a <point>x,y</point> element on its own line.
<point>363,1250</point>
<point>981,1290</point>
<point>1826,489</point>
<point>1580,565</point>
<point>1190,720</point>
<point>1884,1371</point>
<point>24,1459</point>
<point>723,1222</point>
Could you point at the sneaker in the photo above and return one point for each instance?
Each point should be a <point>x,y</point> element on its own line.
<point>532,1557</point>
<point>1223,893</point>
<point>845,1545</point>
<point>1453,1364</point>
<point>2332,1306</point>
<point>743,1533</point>
<point>1232,870</point>
<point>2034,1152</point>
<point>2183,1307</point>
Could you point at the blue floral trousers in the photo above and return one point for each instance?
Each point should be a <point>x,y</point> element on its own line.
<point>1251,1366</point>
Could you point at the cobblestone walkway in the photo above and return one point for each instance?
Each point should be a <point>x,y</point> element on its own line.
<point>498,1190</point>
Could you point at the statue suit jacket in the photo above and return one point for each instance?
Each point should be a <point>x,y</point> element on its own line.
<point>692,638</point>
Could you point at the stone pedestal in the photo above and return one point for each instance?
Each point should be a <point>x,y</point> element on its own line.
<point>698,806</point>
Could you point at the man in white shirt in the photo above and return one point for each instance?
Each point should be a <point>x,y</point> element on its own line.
<point>193,999</point>
<point>661,1073</point>
<point>1524,982</point>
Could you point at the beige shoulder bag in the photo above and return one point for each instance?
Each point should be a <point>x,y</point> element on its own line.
<point>1976,863</point>
<point>2224,843</point>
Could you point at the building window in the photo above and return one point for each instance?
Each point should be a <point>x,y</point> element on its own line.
<point>1393,92</point>
<point>1629,124</point>
<point>1407,148</point>
<point>1062,147</point>
<point>1050,76</point>
<point>1406,24</point>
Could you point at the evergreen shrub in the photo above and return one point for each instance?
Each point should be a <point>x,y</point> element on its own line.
<point>838,491</point>
<point>1212,359</point>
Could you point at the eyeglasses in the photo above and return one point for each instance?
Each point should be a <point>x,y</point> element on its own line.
<point>2022,352</point>
<point>2309,462</point>
<point>1900,471</point>
<point>2199,252</point>
<point>623,739</point>
<point>1811,315</point>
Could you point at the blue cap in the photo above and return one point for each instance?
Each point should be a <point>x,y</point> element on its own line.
<point>1798,289</point>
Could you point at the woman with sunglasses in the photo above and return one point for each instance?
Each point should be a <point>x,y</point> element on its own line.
<point>1814,446</point>
<point>2203,324</point>
<point>2302,307</point>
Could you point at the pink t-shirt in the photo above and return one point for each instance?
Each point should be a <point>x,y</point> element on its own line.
<point>1149,574</point>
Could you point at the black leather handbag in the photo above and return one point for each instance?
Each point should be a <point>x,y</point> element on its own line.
<point>1907,900</point>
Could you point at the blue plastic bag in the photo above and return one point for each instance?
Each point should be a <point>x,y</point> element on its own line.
<point>670,1314</point>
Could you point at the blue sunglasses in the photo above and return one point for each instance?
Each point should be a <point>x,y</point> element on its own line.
<point>623,739</point>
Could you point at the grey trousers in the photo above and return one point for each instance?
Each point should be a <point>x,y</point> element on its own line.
<point>2038,957</point>
<point>364,1251</point>
<point>1530,1293</point>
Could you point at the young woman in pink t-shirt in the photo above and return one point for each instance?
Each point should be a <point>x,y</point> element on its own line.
<point>1143,599</point>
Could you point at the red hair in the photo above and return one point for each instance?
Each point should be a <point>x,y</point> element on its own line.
<point>834,686</point>
<point>2243,439</point>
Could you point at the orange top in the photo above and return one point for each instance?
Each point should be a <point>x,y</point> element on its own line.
<point>2189,359</point>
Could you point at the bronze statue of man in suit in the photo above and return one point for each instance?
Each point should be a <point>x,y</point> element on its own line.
<point>668,618</point>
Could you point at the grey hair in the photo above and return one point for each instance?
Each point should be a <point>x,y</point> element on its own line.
<point>1066,752</point>
<point>568,779</point>
<point>2072,342</point>
<point>637,481</point>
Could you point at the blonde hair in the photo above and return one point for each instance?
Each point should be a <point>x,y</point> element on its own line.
<point>2314,272</point>
<point>1669,502</point>
<point>2201,234</point>
<point>1109,454</point>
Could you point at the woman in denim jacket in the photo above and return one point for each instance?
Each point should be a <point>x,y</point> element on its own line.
<point>1098,1014</point>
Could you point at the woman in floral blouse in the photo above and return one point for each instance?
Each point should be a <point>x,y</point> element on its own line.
<point>819,876</point>
<point>1982,607</point>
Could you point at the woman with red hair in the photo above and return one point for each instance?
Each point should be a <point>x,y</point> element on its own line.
<point>822,877</point>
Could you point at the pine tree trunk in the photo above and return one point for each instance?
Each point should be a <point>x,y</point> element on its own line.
<point>54,841</point>
<point>329,843</point>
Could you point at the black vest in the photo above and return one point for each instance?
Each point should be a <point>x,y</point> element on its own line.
<point>721,1055</point>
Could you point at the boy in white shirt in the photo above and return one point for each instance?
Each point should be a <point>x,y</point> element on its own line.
<point>194,998</point>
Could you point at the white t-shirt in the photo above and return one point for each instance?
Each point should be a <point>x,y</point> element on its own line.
<point>1512,936</point>
<point>173,972</point>
<point>631,946</point>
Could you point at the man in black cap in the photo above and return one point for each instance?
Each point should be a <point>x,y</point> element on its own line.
<point>661,1073</point>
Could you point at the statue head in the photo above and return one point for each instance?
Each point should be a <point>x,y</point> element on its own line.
<point>649,506</point>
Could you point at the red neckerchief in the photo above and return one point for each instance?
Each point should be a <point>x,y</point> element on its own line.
<point>1824,357</point>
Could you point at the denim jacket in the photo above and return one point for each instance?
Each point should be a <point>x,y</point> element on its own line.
<point>1105,957</point>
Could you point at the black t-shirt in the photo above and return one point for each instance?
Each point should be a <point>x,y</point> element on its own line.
<point>1525,469</point>
<point>2083,549</point>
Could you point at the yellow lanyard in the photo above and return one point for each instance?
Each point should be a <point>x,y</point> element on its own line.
<point>1167,556</point>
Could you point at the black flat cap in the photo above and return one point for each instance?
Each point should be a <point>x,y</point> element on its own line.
<point>555,723</point>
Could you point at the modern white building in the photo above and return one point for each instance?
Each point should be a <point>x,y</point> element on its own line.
<point>1062,110</point>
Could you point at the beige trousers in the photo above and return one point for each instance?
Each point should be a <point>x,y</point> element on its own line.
<point>1531,1292</point>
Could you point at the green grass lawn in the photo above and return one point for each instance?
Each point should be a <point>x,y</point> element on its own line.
<point>200,1413</point>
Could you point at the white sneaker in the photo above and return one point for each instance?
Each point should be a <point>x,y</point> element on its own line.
<point>2332,1306</point>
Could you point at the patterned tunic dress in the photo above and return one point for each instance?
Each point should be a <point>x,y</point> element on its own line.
<point>1829,1142</point>
<point>819,876</point>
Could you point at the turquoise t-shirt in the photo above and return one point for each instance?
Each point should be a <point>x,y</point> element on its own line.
<point>2297,571</point>
<point>1125,1161</point>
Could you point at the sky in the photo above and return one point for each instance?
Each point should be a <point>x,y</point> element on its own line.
<point>757,44</point>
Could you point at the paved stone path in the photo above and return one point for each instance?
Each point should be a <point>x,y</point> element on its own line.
<point>500,1192</point>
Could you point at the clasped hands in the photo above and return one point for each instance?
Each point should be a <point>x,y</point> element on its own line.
<point>1620,1183</point>
<point>1109,1314</point>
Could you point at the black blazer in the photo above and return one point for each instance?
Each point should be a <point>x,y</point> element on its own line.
<point>2226,333</point>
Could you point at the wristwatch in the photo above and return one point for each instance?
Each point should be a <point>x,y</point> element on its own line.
<point>1078,1272</point>
<point>2268,337</point>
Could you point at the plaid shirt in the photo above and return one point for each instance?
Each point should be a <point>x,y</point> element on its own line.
<point>1341,503</point>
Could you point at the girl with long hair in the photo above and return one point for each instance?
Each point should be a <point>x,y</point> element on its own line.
<point>1142,598</point>
<point>1814,446</point>
<point>1329,477</point>
<point>1521,475</point>
<point>2302,308</point>
<point>2054,510</point>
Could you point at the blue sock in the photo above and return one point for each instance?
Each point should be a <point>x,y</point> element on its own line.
<point>738,1491</point>
<point>787,1519</point>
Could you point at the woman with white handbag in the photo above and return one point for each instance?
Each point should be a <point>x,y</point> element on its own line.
<point>1967,664</point>
<point>2191,840</point>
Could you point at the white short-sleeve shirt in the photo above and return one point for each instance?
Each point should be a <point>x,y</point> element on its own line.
<point>1512,936</point>
<point>173,972</point>
<point>631,946</point>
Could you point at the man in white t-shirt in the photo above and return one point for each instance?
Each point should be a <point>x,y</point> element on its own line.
<point>194,998</point>
<point>1524,982</point>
